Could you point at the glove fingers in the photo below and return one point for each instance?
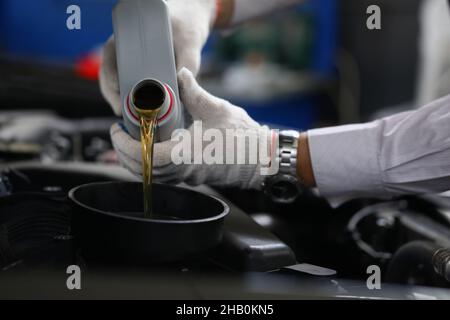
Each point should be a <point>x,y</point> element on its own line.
<point>125,142</point>
<point>129,154</point>
<point>109,82</point>
<point>162,153</point>
<point>133,165</point>
<point>200,104</point>
<point>128,149</point>
<point>188,57</point>
<point>164,174</point>
<point>130,164</point>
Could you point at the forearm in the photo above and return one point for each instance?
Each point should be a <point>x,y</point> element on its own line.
<point>232,12</point>
<point>407,153</point>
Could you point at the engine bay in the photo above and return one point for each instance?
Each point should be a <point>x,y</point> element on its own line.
<point>308,249</point>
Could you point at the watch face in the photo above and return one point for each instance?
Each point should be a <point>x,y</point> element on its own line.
<point>283,189</point>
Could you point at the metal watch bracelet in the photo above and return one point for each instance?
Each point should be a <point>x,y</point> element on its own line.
<point>287,152</point>
<point>285,186</point>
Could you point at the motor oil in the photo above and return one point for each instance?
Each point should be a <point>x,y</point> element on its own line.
<point>148,84</point>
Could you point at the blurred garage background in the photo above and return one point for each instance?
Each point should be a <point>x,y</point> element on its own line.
<point>313,66</point>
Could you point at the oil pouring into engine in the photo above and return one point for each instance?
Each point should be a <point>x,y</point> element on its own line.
<point>147,78</point>
<point>148,99</point>
<point>152,103</point>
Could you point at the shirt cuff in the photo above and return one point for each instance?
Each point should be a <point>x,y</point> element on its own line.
<point>345,160</point>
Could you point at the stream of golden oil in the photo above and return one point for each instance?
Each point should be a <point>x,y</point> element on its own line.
<point>149,120</point>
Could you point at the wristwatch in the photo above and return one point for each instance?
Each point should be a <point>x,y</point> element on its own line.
<point>285,186</point>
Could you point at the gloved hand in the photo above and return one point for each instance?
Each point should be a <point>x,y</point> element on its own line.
<point>214,113</point>
<point>191,23</point>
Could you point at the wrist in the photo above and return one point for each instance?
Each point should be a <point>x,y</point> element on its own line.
<point>224,10</point>
<point>305,171</point>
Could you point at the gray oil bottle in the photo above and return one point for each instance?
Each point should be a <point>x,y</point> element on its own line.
<point>146,61</point>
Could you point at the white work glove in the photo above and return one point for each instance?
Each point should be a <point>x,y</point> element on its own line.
<point>191,20</point>
<point>214,113</point>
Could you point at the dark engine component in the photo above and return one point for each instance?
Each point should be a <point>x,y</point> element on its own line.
<point>420,263</point>
<point>107,222</point>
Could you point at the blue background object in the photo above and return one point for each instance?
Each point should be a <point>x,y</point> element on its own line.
<point>36,29</point>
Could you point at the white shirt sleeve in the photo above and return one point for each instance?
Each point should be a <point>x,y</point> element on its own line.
<point>402,154</point>
<point>248,9</point>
